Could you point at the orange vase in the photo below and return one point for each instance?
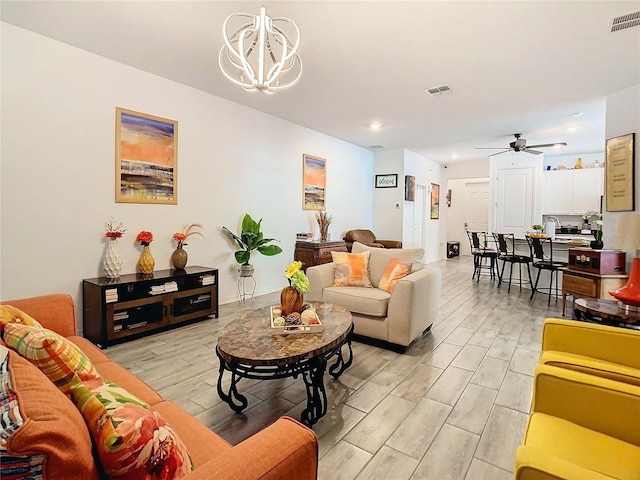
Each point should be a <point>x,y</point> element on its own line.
<point>291,300</point>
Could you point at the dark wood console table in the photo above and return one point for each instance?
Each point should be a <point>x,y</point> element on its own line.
<point>606,312</point>
<point>115,310</point>
<point>317,252</point>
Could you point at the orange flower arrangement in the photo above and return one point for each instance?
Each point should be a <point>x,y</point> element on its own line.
<point>145,238</point>
<point>114,230</point>
<point>180,237</point>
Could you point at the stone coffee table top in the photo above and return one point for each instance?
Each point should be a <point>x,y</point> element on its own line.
<point>248,340</point>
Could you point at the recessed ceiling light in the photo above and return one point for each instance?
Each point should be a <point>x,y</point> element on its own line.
<point>558,145</point>
<point>454,156</point>
<point>375,126</point>
<point>577,114</point>
<point>573,129</point>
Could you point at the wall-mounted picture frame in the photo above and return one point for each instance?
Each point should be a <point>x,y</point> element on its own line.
<point>388,180</point>
<point>435,201</point>
<point>409,188</point>
<point>620,182</point>
<point>146,158</point>
<point>314,182</point>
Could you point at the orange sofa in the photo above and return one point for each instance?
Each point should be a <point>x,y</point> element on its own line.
<point>53,427</point>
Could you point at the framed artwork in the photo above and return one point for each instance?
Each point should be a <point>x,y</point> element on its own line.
<point>620,182</point>
<point>314,182</point>
<point>389,180</point>
<point>435,201</point>
<point>146,158</point>
<point>409,188</point>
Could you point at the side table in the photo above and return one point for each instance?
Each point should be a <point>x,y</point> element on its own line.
<point>317,252</point>
<point>606,312</point>
<point>581,284</point>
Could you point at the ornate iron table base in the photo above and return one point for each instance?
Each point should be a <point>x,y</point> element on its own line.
<point>312,371</point>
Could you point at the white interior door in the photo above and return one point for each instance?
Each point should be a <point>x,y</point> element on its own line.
<point>514,201</point>
<point>419,215</point>
<point>476,210</point>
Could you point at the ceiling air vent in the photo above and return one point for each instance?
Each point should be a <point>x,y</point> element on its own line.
<point>439,90</point>
<point>625,21</point>
<point>376,147</point>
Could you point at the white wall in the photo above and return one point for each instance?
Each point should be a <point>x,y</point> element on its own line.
<point>388,202</point>
<point>623,117</point>
<point>426,172</point>
<point>57,172</point>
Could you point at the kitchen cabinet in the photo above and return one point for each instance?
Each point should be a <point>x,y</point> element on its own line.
<point>572,192</point>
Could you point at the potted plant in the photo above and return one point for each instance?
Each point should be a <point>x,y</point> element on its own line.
<point>250,240</point>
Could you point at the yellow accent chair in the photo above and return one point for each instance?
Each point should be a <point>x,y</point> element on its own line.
<point>601,350</point>
<point>582,427</point>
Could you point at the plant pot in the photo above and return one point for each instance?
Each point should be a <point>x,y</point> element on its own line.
<point>596,244</point>
<point>146,263</point>
<point>246,270</point>
<point>179,258</point>
<point>291,300</point>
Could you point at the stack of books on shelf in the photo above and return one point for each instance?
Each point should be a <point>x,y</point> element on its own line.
<point>119,319</point>
<point>207,280</point>
<point>111,295</point>
<point>166,288</point>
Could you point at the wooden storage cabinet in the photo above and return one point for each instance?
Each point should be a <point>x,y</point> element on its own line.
<point>115,310</point>
<point>317,253</point>
<point>581,284</point>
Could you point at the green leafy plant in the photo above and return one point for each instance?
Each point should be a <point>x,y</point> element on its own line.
<point>251,239</point>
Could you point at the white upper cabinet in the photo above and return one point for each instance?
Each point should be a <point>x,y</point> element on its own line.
<point>572,192</point>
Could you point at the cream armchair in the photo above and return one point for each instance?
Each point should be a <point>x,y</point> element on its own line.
<point>601,350</point>
<point>397,318</point>
<point>581,427</point>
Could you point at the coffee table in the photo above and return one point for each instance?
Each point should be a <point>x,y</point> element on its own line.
<point>248,349</point>
<point>606,312</point>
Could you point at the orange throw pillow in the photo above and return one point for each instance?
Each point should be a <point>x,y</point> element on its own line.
<point>351,269</point>
<point>396,269</point>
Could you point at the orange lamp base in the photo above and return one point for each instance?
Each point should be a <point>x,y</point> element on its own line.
<point>630,293</point>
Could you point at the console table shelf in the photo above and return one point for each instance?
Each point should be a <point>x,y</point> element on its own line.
<point>116,310</point>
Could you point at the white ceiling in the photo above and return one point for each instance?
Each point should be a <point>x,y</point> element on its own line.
<point>514,66</point>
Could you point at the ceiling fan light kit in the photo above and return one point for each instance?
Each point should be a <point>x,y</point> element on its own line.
<point>259,55</point>
<point>520,145</point>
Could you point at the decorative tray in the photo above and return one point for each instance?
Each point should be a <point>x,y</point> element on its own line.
<point>288,329</point>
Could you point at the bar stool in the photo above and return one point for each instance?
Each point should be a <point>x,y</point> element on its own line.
<point>481,251</point>
<point>509,255</point>
<point>542,261</point>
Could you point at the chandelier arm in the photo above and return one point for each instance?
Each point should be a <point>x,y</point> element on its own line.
<point>293,48</point>
<point>246,66</point>
<point>229,77</point>
<point>233,39</point>
<point>275,70</point>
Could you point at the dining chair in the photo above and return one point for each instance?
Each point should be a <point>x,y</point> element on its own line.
<point>508,254</point>
<point>544,261</point>
<point>481,251</point>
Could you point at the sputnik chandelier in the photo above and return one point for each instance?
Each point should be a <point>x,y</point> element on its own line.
<point>258,54</point>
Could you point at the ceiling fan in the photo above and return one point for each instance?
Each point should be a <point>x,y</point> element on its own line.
<point>520,145</point>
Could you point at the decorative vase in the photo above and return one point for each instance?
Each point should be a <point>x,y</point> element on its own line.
<point>112,261</point>
<point>179,258</point>
<point>291,300</point>
<point>146,261</point>
<point>596,244</point>
<point>324,233</point>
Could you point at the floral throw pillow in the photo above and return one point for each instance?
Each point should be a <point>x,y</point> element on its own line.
<point>351,269</point>
<point>58,358</point>
<point>396,269</point>
<point>10,314</point>
<point>133,442</point>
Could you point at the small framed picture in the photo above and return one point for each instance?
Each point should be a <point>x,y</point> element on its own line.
<point>389,180</point>
<point>435,201</point>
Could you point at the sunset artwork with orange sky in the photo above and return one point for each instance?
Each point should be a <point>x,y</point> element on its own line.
<point>147,158</point>
<point>314,173</point>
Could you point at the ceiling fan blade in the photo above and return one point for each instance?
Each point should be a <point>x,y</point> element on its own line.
<point>545,145</point>
<point>528,150</point>
<point>504,151</point>
<point>489,148</point>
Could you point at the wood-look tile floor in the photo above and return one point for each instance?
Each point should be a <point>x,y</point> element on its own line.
<point>454,406</point>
